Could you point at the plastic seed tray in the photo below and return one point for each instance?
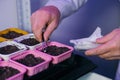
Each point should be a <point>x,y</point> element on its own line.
<point>18,76</point>
<point>13,43</point>
<point>2,39</point>
<point>17,30</point>
<point>61,57</point>
<point>37,68</point>
<point>28,36</point>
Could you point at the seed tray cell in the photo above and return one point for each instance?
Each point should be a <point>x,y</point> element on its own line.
<point>19,48</point>
<point>28,40</point>
<point>33,69</point>
<point>11,33</point>
<point>58,58</point>
<point>20,73</point>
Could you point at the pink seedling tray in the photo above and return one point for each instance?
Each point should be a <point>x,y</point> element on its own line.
<point>61,57</point>
<point>35,69</point>
<point>0,59</point>
<point>18,76</point>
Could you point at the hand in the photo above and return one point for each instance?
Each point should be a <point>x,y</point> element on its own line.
<point>110,48</point>
<point>46,17</point>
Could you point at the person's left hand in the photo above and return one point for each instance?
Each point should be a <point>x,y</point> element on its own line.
<point>109,48</point>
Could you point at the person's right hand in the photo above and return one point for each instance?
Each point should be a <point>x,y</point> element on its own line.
<point>48,17</point>
<point>109,48</point>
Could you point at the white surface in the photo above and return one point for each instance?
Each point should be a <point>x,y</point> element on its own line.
<point>15,13</point>
<point>93,76</point>
<point>8,14</point>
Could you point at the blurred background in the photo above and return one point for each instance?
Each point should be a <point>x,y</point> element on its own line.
<point>102,13</point>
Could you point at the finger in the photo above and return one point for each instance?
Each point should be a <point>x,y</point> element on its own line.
<point>37,35</point>
<point>113,58</point>
<point>37,32</point>
<point>49,30</point>
<point>99,50</point>
<point>37,27</point>
<point>106,38</point>
<point>106,55</point>
<point>110,54</point>
<point>34,23</point>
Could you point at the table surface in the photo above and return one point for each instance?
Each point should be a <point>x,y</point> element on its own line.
<point>93,76</point>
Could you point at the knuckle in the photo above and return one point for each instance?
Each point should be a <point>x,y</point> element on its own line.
<point>44,12</point>
<point>114,46</point>
<point>116,30</point>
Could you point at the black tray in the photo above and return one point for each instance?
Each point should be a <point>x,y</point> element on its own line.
<point>70,69</point>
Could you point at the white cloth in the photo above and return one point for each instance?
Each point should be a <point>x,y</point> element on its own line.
<point>66,7</point>
<point>87,43</point>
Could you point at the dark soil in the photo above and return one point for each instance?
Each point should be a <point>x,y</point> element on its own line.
<point>6,72</point>
<point>30,60</point>
<point>8,49</point>
<point>54,50</point>
<point>11,35</point>
<point>30,41</point>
